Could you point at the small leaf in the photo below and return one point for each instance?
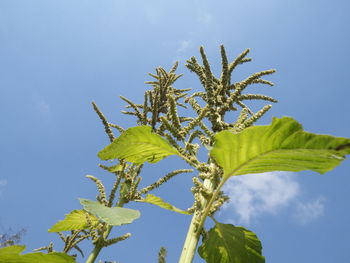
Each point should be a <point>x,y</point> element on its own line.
<point>280,146</point>
<point>230,244</point>
<point>75,220</point>
<point>138,145</point>
<point>155,200</point>
<point>114,216</point>
<point>12,255</point>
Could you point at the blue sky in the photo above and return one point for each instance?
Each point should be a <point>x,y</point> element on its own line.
<point>58,56</point>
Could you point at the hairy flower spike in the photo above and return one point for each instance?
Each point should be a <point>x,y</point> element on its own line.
<point>185,119</point>
<point>194,122</point>
<point>119,128</point>
<point>200,94</point>
<point>129,113</point>
<point>256,97</point>
<point>173,112</point>
<point>61,235</point>
<point>225,75</point>
<point>132,192</point>
<point>101,189</point>
<point>172,129</point>
<point>173,69</point>
<point>182,95</point>
<point>137,112</point>
<point>181,105</point>
<point>192,148</point>
<point>48,248</point>
<point>160,102</point>
<point>262,81</point>
<point>104,121</point>
<point>145,108</point>
<point>71,240</point>
<point>180,91</point>
<point>242,117</point>
<point>164,180</point>
<point>206,65</point>
<point>240,103</point>
<point>256,116</point>
<point>217,93</point>
<point>238,60</point>
<point>172,141</point>
<point>193,136</point>
<point>162,255</point>
<point>113,191</point>
<point>194,66</point>
<point>207,131</point>
<point>256,76</point>
<point>194,104</point>
<point>78,240</point>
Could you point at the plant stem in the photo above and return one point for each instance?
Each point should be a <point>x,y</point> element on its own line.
<point>191,242</point>
<point>195,228</point>
<point>97,249</point>
<point>93,255</point>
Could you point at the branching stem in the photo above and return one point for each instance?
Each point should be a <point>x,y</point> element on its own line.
<point>99,245</point>
<point>195,229</point>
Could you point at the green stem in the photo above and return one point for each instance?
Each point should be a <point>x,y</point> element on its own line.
<point>97,249</point>
<point>195,228</point>
<point>93,255</point>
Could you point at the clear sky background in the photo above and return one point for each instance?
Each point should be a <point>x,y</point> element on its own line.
<point>58,56</point>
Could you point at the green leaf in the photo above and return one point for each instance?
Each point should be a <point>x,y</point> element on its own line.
<point>155,200</point>
<point>138,145</point>
<point>114,216</point>
<point>12,255</point>
<point>280,146</point>
<point>16,249</point>
<point>75,220</point>
<point>226,243</point>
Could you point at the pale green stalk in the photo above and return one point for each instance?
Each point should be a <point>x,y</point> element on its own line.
<point>97,249</point>
<point>195,229</point>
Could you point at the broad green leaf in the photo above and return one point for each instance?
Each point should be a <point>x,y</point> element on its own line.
<point>75,220</point>
<point>280,146</point>
<point>138,145</point>
<point>12,255</point>
<point>230,244</point>
<point>155,200</point>
<point>114,216</point>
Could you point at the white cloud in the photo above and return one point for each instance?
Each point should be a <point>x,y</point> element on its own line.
<point>255,194</point>
<point>309,211</point>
